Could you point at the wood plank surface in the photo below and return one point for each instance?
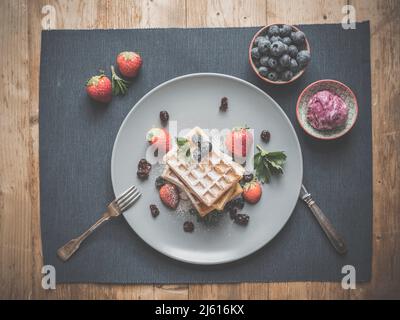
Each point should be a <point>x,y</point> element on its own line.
<point>20,241</point>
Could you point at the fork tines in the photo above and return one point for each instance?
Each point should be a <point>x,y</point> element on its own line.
<point>128,198</point>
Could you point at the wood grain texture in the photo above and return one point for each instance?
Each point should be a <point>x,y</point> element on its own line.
<point>20,241</point>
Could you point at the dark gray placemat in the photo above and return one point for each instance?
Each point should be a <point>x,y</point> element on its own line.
<point>77,135</point>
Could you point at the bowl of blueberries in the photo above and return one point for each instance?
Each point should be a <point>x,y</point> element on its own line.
<point>279,53</point>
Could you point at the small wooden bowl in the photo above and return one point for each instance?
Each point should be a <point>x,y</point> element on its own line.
<point>337,88</point>
<point>263,31</point>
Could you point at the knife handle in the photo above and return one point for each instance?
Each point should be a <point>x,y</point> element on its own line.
<point>335,239</point>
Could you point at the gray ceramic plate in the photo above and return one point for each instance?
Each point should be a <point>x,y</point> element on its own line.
<point>193,100</point>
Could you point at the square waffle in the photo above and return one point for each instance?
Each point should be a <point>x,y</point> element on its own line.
<point>201,208</point>
<point>209,179</point>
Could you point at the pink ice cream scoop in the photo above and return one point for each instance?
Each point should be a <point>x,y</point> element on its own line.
<point>326,111</point>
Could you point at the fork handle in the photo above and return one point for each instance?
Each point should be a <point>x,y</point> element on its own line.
<point>333,236</point>
<point>68,249</point>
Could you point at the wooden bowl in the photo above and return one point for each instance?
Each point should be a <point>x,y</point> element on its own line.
<point>279,82</point>
<point>338,88</point>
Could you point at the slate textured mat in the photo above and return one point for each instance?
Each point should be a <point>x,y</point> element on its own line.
<point>77,135</point>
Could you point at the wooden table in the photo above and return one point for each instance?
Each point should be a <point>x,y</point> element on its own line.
<point>20,242</point>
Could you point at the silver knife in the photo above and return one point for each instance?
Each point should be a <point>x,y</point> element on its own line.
<point>335,239</point>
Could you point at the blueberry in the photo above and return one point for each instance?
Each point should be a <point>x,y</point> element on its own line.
<point>159,182</point>
<point>287,75</point>
<point>293,51</point>
<point>275,39</point>
<point>298,37</point>
<point>285,30</point>
<point>294,66</point>
<point>205,149</point>
<point>255,43</point>
<point>287,41</point>
<point>272,75</point>
<point>196,155</point>
<point>303,58</point>
<point>264,61</point>
<point>257,63</point>
<point>278,48</point>
<point>255,53</point>
<point>285,60</point>
<point>273,31</point>
<point>272,63</point>
<point>232,212</point>
<point>279,68</point>
<point>263,71</point>
<point>263,45</point>
<point>196,139</point>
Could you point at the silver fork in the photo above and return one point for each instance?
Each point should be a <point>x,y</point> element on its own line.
<point>114,209</point>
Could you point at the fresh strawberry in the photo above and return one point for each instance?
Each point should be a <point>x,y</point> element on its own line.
<point>252,191</point>
<point>129,63</point>
<point>169,195</point>
<point>239,141</point>
<point>159,137</point>
<point>99,88</point>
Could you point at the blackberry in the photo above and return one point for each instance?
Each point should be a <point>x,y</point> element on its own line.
<point>293,51</point>
<point>287,75</point>
<point>224,105</point>
<point>238,203</point>
<point>248,177</point>
<point>285,30</point>
<point>287,41</point>
<point>273,31</point>
<point>242,219</point>
<point>144,168</point>
<point>142,174</point>
<point>263,46</point>
<point>298,37</point>
<point>188,226</point>
<point>265,135</point>
<point>264,61</point>
<point>255,53</point>
<point>303,58</point>
<point>277,48</point>
<point>232,213</point>
<point>294,66</point>
<point>285,60</point>
<point>263,71</point>
<point>272,63</point>
<point>164,116</point>
<point>154,210</point>
<point>272,75</point>
<point>159,182</point>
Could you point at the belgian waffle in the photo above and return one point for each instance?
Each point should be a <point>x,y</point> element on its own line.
<point>201,208</point>
<point>209,179</point>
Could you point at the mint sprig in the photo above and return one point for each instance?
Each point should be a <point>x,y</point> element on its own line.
<point>267,164</point>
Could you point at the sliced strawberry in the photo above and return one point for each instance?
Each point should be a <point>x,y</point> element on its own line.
<point>239,141</point>
<point>159,137</point>
<point>169,195</point>
<point>252,191</point>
